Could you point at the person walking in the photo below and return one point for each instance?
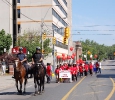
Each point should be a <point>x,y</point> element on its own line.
<point>91,69</point>
<point>48,73</point>
<point>99,67</point>
<point>3,67</point>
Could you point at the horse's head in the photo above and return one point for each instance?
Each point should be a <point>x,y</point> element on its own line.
<point>18,64</point>
<point>40,69</point>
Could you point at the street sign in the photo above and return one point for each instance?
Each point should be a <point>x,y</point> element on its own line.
<point>15,50</point>
<point>64,74</point>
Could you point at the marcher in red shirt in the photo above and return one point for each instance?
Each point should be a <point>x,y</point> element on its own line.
<point>86,68</point>
<point>57,74</point>
<point>81,69</point>
<point>97,66</point>
<point>74,72</point>
<point>48,72</point>
<point>91,68</point>
<point>70,69</point>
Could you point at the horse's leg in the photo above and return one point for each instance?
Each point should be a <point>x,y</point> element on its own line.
<point>25,85</point>
<point>21,82</point>
<point>43,84</point>
<point>35,82</point>
<point>40,85</point>
<point>17,85</point>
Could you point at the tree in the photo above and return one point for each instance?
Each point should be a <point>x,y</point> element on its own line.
<point>5,41</point>
<point>31,40</point>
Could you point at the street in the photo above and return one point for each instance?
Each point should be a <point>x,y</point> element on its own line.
<point>96,87</point>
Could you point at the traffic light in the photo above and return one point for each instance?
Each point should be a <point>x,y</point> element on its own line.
<point>89,52</point>
<point>114,53</point>
<point>44,36</point>
<point>67,32</point>
<point>55,53</point>
<point>65,40</point>
<point>43,51</point>
<point>54,40</point>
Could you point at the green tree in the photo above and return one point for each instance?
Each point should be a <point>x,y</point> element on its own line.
<point>5,41</point>
<point>31,40</point>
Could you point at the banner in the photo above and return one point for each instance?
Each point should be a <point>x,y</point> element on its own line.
<point>64,74</point>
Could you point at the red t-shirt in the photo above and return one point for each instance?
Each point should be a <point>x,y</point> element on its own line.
<point>70,69</point>
<point>48,70</point>
<point>86,67</point>
<point>74,70</point>
<point>80,69</point>
<point>90,66</point>
<point>57,70</point>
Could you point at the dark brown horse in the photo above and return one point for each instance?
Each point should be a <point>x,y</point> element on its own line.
<point>20,76</point>
<point>39,78</point>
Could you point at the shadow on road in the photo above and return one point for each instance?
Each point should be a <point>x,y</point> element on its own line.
<point>15,93</point>
<point>108,65</point>
<point>106,76</point>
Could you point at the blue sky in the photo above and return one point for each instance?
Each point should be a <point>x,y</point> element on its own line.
<point>94,12</point>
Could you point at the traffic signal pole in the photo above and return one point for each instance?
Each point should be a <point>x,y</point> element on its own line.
<point>41,35</point>
<point>14,3</point>
<point>53,52</point>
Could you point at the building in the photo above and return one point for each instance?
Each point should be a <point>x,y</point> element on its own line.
<point>6,16</point>
<point>41,15</point>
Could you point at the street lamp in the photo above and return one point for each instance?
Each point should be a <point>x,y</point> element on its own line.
<point>42,24</point>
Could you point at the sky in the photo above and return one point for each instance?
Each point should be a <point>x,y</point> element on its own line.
<point>91,15</point>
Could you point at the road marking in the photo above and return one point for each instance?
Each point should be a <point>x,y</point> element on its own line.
<point>96,81</point>
<point>93,92</point>
<point>67,95</point>
<point>112,91</point>
<point>89,93</point>
<point>100,85</point>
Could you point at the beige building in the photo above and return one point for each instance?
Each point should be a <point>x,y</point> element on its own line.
<point>31,14</point>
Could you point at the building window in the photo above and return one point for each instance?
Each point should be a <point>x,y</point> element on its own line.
<point>18,13</point>
<point>61,45</point>
<point>19,28</point>
<point>54,13</point>
<point>61,8</point>
<point>58,30</point>
<point>18,1</point>
<point>65,2</point>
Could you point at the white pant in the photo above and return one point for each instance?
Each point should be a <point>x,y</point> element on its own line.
<point>3,69</point>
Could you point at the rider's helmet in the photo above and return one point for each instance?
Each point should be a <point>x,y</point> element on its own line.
<point>38,48</point>
<point>20,48</point>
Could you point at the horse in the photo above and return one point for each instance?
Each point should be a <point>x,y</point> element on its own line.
<point>39,78</point>
<point>20,76</point>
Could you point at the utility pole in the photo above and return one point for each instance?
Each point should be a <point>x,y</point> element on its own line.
<point>14,21</point>
<point>41,35</point>
<point>53,53</point>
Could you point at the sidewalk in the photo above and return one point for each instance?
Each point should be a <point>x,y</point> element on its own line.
<point>6,81</point>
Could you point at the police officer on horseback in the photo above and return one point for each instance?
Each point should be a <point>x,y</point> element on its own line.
<point>23,59</point>
<point>38,58</point>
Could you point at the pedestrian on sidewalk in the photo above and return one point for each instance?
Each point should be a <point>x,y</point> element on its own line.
<point>3,67</point>
<point>99,67</point>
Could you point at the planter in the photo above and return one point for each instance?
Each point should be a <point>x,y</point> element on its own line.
<point>11,68</point>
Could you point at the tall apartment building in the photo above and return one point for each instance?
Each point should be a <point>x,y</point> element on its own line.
<point>54,14</point>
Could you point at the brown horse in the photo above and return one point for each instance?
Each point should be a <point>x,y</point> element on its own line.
<point>20,76</point>
<point>39,78</point>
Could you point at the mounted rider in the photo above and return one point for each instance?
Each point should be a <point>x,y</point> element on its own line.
<point>22,58</point>
<point>38,58</point>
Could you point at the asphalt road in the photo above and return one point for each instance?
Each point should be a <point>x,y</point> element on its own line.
<point>96,87</point>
